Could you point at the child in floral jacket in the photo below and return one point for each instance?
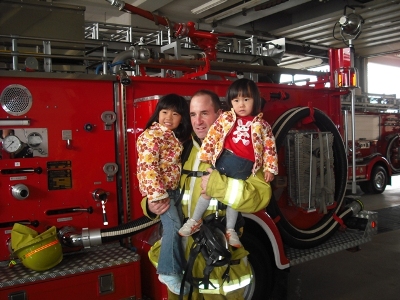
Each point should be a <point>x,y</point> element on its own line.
<point>238,144</point>
<point>159,149</point>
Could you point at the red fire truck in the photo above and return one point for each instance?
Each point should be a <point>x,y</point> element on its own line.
<point>68,160</point>
<point>377,130</point>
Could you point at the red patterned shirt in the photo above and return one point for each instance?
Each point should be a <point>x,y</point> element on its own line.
<point>239,139</point>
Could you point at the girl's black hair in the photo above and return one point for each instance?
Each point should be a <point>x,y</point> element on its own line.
<point>178,104</point>
<point>246,88</point>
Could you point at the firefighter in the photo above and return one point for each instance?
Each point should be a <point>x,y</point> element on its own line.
<point>248,196</point>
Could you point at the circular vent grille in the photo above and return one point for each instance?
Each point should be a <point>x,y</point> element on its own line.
<point>16,100</point>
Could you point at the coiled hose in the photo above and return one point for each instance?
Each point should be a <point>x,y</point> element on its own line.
<point>305,238</point>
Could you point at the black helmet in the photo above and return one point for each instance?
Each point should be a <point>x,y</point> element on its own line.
<point>215,250</point>
<point>211,242</point>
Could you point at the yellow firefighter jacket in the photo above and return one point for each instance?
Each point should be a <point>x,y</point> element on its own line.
<point>247,196</point>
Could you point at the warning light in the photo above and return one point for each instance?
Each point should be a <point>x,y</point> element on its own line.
<point>346,77</point>
<point>373,224</point>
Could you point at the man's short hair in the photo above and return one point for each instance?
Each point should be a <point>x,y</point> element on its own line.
<point>214,98</point>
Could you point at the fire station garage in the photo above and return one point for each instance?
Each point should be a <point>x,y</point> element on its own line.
<point>79,82</point>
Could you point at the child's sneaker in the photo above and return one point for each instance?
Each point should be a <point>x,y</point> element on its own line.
<point>233,238</point>
<point>173,282</point>
<point>191,226</point>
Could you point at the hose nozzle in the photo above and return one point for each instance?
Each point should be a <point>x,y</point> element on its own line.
<point>117,3</point>
<point>123,77</point>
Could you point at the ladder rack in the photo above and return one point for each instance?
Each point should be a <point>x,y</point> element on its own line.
<point>370,102</point>
<point>249,44</point>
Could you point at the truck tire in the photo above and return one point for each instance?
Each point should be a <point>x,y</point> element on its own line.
<point>262,267</point>
<point>377,183</point>
<point>392,153</point>
<point>318,227</point>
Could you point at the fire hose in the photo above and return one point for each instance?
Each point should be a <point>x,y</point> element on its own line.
<point>94,237</point>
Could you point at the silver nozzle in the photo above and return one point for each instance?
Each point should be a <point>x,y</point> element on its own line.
<point>117,3</point>
<point>70,237</point>
<point>20,191</point>
<point>91,237</point>
<point>87,238</point>
<point>356,206</point>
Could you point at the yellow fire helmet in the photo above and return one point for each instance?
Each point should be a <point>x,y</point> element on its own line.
<point>38,252</point>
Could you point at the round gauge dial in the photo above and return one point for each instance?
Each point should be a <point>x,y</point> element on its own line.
<point>11,144</point>
<point>34,139</point>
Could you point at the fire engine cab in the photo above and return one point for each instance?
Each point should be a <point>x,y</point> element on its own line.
<point>376,137</point>
<point>70,216</point>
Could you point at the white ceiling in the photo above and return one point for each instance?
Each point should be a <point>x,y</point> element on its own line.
<point>307,25</point>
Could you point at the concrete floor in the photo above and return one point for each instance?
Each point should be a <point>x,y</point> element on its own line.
<point>371,273</point>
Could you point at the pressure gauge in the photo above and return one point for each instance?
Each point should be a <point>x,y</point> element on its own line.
<point>34,139</point>
<point>11,144</point>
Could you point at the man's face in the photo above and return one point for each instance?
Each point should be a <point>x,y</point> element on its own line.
<point>202,114</point>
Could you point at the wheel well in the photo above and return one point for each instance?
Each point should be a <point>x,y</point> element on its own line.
<point>255,230</point>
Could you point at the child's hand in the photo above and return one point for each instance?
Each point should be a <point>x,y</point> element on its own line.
<point>204,181</point>
<point>268,176</point>
<point>205,196</point>
<point>165,200</point>
<point>159,207</point>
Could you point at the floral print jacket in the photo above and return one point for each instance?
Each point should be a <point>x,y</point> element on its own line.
<point>158,165</point>
<point>261,135</point>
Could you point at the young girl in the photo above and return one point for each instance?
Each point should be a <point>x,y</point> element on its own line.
<point>238,144</point>
<point>159,149</point>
